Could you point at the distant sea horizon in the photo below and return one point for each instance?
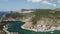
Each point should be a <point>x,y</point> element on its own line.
<point>2,13</point>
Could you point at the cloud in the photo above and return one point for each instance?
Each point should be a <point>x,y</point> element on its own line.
<point>34,0</point>
<point>48,3</point>
<point>58,1</point>
<point>43,2</point>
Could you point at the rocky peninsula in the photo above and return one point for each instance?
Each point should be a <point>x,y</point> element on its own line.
<point>38,20</point>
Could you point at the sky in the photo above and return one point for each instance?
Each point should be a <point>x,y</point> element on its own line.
<point>15,5</point>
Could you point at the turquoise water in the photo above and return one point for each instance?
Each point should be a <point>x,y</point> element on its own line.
<point>14,26</point>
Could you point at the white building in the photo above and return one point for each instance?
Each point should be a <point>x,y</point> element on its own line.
<point>26,11</point>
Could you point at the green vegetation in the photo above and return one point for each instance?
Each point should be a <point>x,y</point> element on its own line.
<point>47,14</point>
<point>1,26</point>
<point>38,14</point>
<point>14,15</point>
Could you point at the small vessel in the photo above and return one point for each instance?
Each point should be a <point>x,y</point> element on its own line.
<point>52,32</point>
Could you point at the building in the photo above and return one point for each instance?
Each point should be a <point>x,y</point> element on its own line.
<point>27,10</point>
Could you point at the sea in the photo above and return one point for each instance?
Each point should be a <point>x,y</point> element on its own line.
<point>15,26</point>
<point>2,13</point>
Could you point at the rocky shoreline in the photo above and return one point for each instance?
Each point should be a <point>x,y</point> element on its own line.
<point>36,29</point>
<point>39,30</point>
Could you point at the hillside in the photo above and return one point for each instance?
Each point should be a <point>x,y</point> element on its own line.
<point>37,17</point>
